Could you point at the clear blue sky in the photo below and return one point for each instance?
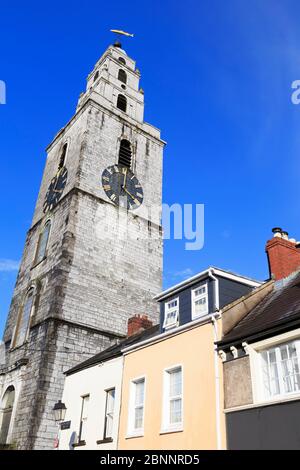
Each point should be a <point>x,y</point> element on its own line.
<point>217,78</point>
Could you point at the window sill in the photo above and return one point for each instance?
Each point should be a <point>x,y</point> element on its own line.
<point>133,435</point>
<point>79,444</point>
<point>38,263</point>
<point>170,327</point>
<point>197,317</point>
<point>14,348</point>
<point>171,430</point>
<point>106,440</point>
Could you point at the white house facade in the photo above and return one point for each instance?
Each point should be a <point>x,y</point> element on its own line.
<point>92,398</point>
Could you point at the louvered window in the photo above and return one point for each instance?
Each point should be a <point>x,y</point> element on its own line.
<point>63,156</point>
<point>122,103</point>
<point>122,76</point>
<point>96,75</point>
<point>125,153</point>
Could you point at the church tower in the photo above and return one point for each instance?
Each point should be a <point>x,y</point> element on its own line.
<point>93,254</point>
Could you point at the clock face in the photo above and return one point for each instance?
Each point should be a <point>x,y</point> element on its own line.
<point>55,189</point>
<point>122,187</point>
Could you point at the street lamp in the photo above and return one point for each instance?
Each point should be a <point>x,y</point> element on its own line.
<point>59,411</point>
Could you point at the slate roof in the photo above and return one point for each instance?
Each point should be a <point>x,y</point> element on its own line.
<point>115,350</point>
<point>278,309</point>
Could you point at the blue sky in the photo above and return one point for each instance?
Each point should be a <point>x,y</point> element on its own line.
<point>217,78</point>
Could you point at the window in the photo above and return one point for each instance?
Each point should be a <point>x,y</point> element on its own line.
<point>6,410</point>
<point>109,413</point>
<point>171,313</point>
<point>96,75</point>
<point>199,302</point>
<point>125,153</point>
<point>62,159</point>
<point>122,103</point>
<point>83,418</point>
<point>122,60</point>
<point>172,399</point>
<point>122,76</point>
<point>42,243</point>
<point>280,369</point>
<point>23,320</point>
<point>136,407</point>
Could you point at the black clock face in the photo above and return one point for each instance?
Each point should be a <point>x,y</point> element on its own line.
<point>122,187</point>
<point>55,189</point>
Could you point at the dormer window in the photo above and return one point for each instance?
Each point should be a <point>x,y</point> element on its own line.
<point>125,153</point>
<point>199,302</point>
<point>122,103</point>
<point>122,76</point>
<point>171,314</point>
<point>122,60</point>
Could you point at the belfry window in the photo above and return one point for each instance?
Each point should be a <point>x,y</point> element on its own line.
<point>125,153</point>
<point>122,76</point>
<point>122,103</point>
<point>122,60</point>
<point>96,75</point>
<point>24,319</point>
<point>62,159</point>
<point>42,243</point>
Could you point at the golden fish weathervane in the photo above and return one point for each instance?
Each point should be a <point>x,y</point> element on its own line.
<point>123,33</point>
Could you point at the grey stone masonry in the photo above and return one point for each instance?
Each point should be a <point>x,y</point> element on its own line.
<point>102,264</point>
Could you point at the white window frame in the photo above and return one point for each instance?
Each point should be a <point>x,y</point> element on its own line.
<point>166,426</point>
<point>83,398</point>
<point>167,310</point>
<point>254,350</point>
<point>131,430</point>
<point>202,296</point>
<point>109,413</point>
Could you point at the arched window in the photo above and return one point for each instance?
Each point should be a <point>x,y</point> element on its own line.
<point>23,320</point>
<point>42,243</point>
<point>62,159</point>
<point>125,153</point>
<point>122,103</point>
<point>96,75</point>
<point>122,76</point>
<point>122,60</point>
<point>6,413</point>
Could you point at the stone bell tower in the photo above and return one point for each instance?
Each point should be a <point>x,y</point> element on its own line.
<point>93,254</point>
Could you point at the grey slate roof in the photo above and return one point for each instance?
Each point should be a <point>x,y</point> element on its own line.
<point>115,350</point>
<point>278,309</point>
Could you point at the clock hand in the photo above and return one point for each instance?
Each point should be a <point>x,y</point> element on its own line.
<point>124,181</point>
<point>129,193</point>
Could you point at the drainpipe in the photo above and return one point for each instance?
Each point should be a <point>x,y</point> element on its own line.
<point>216,289</point>
<point>214,319</point>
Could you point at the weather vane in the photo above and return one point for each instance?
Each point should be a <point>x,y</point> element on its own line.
<point>120,33</point>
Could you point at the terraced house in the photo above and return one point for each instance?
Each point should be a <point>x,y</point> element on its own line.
<point>169,376</point>
<point>261,355</point>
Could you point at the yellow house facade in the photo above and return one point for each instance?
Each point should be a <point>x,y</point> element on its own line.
<point>189,355</point>
<point>172,384</point>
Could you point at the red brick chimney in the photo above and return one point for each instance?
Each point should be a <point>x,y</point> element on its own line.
<point>138,323</point>
<point>283,254</point>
